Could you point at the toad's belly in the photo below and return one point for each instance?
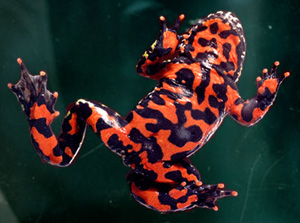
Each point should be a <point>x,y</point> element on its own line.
<point>177,137</point>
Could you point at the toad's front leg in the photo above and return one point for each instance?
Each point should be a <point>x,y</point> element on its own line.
<point>38,103</point>
<point>251,111</point>
<point>164,48</point>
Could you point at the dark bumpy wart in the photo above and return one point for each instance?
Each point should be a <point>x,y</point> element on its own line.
<point>197,73</point>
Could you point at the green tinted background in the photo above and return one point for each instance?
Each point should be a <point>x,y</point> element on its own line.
<point>89,49</point>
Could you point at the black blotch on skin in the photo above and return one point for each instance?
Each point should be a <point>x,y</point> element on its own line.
<point>83,110</point>
<point>153,69</point>
<point>195,31</point>
<point>214,28</point>
<point>265,100</point>
<point>154,152</point>
<point>187,76</point>
<point>162,122</point>
<point>175,176</point>
<point>179,156</point>
<point>221,91</point>
<point>136,136</point>
<point>164,198</point>
<point>212,43</point>
<point>200,57</point>
<point>57,151</point>
<point>226,33</point>
<point>167,164</point>
<point>200,28</point>
<point>129,117</point>
<point>213,102</point>
<point>66,127</point>
<point>143,180</point>
<point>226,50</point>
<point>228,66</point>
<point>172,95</point>
<point>190,168</point>
<point>182,59</point>
<point>208,116</point>
<point>188,48</point>
<point>101,125</point>
<point>247,110</point>
<point>205,79</point>
<point>139,65</point>
<point>117,145</point>
<point>157,99</point>
<point>158,52</point>
<point>40,124</point>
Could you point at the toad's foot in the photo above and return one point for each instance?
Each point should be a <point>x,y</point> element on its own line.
<point>208,195</point>
<point>32,93</point>
<point>268,85</point>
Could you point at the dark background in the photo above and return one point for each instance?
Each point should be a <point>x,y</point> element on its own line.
<point>89,50</point>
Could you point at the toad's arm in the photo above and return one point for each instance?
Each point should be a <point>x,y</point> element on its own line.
<point>164,48</point>
<point>248,112</point>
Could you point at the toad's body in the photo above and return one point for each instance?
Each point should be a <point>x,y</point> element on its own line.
<point>197,74</point>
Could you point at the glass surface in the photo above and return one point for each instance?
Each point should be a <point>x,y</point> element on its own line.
<point>89,50</point>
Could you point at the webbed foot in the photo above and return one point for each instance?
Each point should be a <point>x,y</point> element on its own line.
<point>168,39</point>
<point>208,195</point>
<point>32,93</point>
<point>268,85</point>
<point>164,48</point>
<point>269,82</point>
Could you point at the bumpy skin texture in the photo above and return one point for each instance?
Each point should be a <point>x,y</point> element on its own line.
<point>197,74</point>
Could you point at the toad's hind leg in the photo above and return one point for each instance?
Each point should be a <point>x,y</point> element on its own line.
<point>38,102</point>
<point>174,187</point>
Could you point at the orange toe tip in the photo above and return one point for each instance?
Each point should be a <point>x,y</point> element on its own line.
<point>258,79</point>
<point>185,36</point>
<point>199,183</point>
<point>181,17</point>
<point>221,185</point>
<point>9,85</point>
<point>276,63</point>
<point>265,70</point>
<point>286,74</point>
<point>42,73</point>
<point>183,184</point>
<point>215,208</point>
<point>55,94</point>
<point>56,114</point>
<point>261,90</point>
<point>19,60</point>
<point>162,18</point>
<point>234,193</point>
